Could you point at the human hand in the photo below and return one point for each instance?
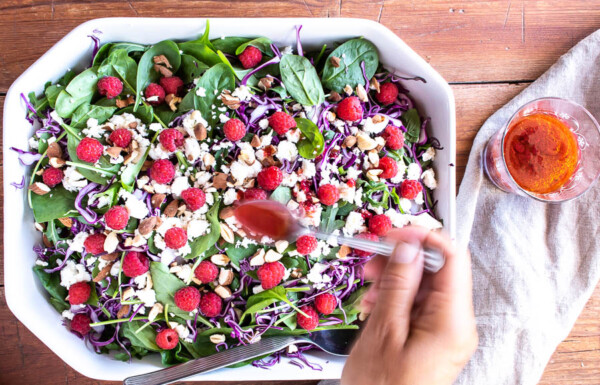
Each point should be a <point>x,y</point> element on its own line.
<point>421,328</point>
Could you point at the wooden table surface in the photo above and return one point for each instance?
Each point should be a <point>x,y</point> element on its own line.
<point>488,51</point>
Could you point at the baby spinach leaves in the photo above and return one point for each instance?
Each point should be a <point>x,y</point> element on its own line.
<point>131,171</point>
<point>59,203</point>
<point>201,52</point>
<point>236,254</point>
<point>51,282</point>
<point>312,144</point>
<point>120,65</point>
<point>351,54</point>
<point>229,44</point>
<point>262,43</point>
<point>145,338</point>
<point>282,195</point>
<point>99,174</point>
<point>205,242</point>
<point>191,68</point>
<point>301,80</point>
<point>165,286</point>
<point>146,73</point>
<point>263,299</point>
<point>87,111</point>
<point>80,90</point>
<point>411,120</point>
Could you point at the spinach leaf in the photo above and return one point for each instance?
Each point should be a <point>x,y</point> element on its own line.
<point>165,114</point>
<point>144,113</point>
<point>290,321</point>
<point>59,203</point>
<point>295,263</point>
<point>202,347</point>
<point>214,81</point>
<point>282,195</point>
<point>345,208</point>
<point>129,174</point>
<point>173,356</point>
<point>301,80</point>
<point>229,44</point>
<point>119,64</point>
<point>145,70</point>
<point>51,282</point>
<point>372,187</point>
<point>236,254</point>
<point>201,52</point>
<point>312,144</point>
<point>191,68</point>
<point>328,221</point>
<point>262,43</point>
<point>411,120</point>
<point>145,338</point>
<point>351,305</point>
<point>205,242</point>
<point>165,286</point>
<point>263,299</point>
<point>104,164</point>
<point>52,92</point>
<point>102,54</point>
<point>351,54</point>
<point>80,90</point>
<point>87,111</point>
<point>128,47</point>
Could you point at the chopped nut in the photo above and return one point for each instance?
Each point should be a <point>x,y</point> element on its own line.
<point>220,181</point>
<point>223,291</point>
<point>172,101</point>
<point>225,277</point>
<point>217,338</point>
<point>265,83</point>
<point>162,59</point>
<point>67,222</point>
<point>335,61</point>
<point>56,162</point>
<point>380,143</point>
<point>272,256</point>
<point>331,116</point>
<point>131,157</point>
<point>147,225</point>
<point>378,119</point>
<point>255,142</point>
<point>365,142</point>
<point>373,174</point>
<point>227,212</point>
<point>164,71</point>
<point>196,281</point>
<point>127,293</point>
<point>348,90</point>
<point>258,258</point>
<point>122,103</point>
<point>230,101</point>
<point>247,156</point>
<point>104,272</point>
<point>110,257</point>
<point>209,160</point>
<point>149,282</point>
<point>250,183</point>
<point>349,142</point>
<point>157,200</point>
<point>361,93</point>
<point>200,131</point>
<point>171,208</point>
<point>133,125</point>
<point>40,226</point>
<point>227,233</point>
<point>296,273</point>
<point>114,152</point>
<point>111,242</point>
<point>334,97</point>
<point>155,311</point>
<point>280,246</point>
<point>39,188</point>
<point>147,164</point>
<point>374,85</point>
<point>54,150</point>
<point>343,252</point>
<point>123,311</point>
<point>373,156</point>
<point>46,241</point>
<point>220,259</point>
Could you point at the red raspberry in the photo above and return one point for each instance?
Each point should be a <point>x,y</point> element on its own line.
<point>176,238</point>
<point>325,303</point>
<point>350,109</point>
<point>94,244</point>
<point>79,293</point>
<point>81,324</point>
<point>116,217</point>
<point>52,176</point>
<point>369,237</point>
<point>380,225</point>
<point>365,214</point>
<point>389,167</point>
<point>120,137</point>
<point>162,171</point>
<point>154,94</point>
<point>394,138</point>
<point>306,244</point>
<point>255,194</point>
<point>409,189</point>
<point>351,182</point>
<point>206,272</point>
<point>310,322</point>
<point>234,129</point>
<point>172,85</point>
<point>110,87</point>
<point>89,150</point>
<point>270,178</point>
<point>211,305</point>
<point>250,57</point>
<point>388,92</point>
<point>135,264</point>
<point>194,198</point>
<point>167,339</point>
<point>187,298</point>
<point>270,274</point>
<point>328,194</point>
<point>281,122</point>
<point>171,138</point>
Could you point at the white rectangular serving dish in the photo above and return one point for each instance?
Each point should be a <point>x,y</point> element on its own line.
<point>26,297</point>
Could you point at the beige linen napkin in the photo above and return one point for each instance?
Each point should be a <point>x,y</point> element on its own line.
<point>535,265</point>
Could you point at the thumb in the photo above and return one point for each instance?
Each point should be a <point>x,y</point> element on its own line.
<point>396,289</point>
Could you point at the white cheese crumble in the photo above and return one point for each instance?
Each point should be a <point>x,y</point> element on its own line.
<point>355,223</point>
<point>242,92</point>
<point>73,180</point>
<point>413,172</point>
<point>428,178</point>
<point>374,128</point>
<point>229,197</point>
<point>72,273</point>
<point>179,184</point>
<point>429,154</point>
<point>137,208</point>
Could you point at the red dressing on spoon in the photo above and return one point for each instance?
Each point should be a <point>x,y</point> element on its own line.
<point>266,218</point>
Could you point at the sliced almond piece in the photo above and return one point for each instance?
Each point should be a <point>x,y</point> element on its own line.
<point>57,162</point>
<point>225,277</point>
<point>46,241</point>
<point>348,90</point>
<point>104,272</point>
<point>127,293</point>
<point>335,61</point>
<point>147,225</point>
<point>172,101</point>
<point>220,181</point>
<point>157,200</point>
<point>155,311</point>
<point>149,282</point>
<point>110,257</point>
<point>230,101</point>
<point>373,156</point>
<point>374,85</point>
<point>272,256</point>
<point>67,222</point>
<point>123,311</point>
<point>133,155</point>
<point>208,160</point>
<point>227,212</point>
<point>223,291</point>
<point>373,174</point>
<point>171,208</point>
<point>349,142</point>
<point>378,119</point>
<point>334,97</point>
<point>343,252</point>
<point>227,233</point>
<point>54,150</point>
<point>247,156</point>
<point>255,142</point>
<point>39,188</point>
<point>114,151</point>
<point>220,259</point>
<point>258,259</point>
<point>111,242</point>
<point>40,226</point>
<point>361,93</point>
<point>217,338</point>
<point>280,246</point>
<point>365,142</point>
<point>200,131</point>
<point>296,273</point>
<point>265,83</point>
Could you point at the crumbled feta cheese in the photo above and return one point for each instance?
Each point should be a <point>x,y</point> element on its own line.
<point>355,223</point>
<point>196,228</point>
<point>223,118</point>
<point>185,272</point>
<point>405,205</point>
<point>425,220</point>
<point>353,173</point>
<point>263,123</point>
<point>157,151</point>
<point>398,219</point>
<point>147,296</point>
<point>115,269</point>
<point>293,135</point>
<point>428,178</point>
<point>311,218</point>
<point>40,262</point>
<point>266,140</point>
<point>34,143</point>
<point>289,180</point>
<point>137,208</point>
<point>419,198</point>
<point>257,289</point>
<point>346,192</point>
<point>429,154</point>
<point>374,128</point>
<point>316,275</point>
<point>229,197</point>
<point>73,180</point>
<point>308,169</point>
<point>77,243</point>
<point>192,149</point>
<point>413,171</point>
<point>242,92</point>
<point>72,273</point>
<point>240,170</point>
<point>179,184</point>
<point>67,314</point>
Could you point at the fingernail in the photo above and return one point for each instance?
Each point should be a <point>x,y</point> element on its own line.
<point>405,253</point>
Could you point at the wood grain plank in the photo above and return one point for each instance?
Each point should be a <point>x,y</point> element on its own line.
<point>464,41</point>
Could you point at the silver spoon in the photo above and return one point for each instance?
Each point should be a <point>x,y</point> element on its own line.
<point>266,217</point>
<point>335,341</point>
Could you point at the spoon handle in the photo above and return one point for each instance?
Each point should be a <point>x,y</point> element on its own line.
<point>215,361</point>
<point>434,259</point>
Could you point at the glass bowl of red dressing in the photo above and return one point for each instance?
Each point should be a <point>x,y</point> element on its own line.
<point>549,150</point>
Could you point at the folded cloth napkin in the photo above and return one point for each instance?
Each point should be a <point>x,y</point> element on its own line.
<point>535,265</point>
